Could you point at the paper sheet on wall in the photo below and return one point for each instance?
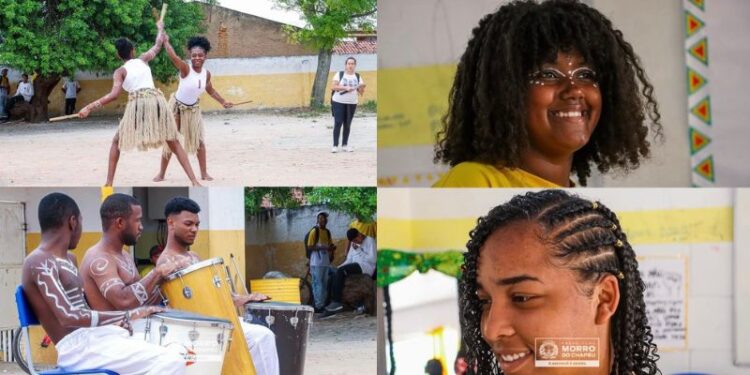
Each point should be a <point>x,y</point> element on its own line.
<point>666,300</point>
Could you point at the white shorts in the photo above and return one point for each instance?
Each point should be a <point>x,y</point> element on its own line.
<point>112,348</point>
<point>262,344</point>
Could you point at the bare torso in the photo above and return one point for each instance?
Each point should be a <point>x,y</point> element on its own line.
<point>55,292</point>
<point>111,280</point>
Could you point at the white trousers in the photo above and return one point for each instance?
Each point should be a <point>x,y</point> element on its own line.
<point>262,344</point>
<point>112,348</point>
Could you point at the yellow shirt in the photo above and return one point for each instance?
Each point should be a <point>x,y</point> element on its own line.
<point>146,270</point>
<point>472,174</point>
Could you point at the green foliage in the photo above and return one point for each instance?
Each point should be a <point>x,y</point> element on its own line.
<point>53,37</point>
<point>280,197</point>
<point>328,21</point>
<point>360,202</point>
<point>370,106</point>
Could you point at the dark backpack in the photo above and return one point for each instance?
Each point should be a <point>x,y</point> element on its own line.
<point>308,250</point>
<point>341,76</point>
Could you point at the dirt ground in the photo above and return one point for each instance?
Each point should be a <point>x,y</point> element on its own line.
<point>341,344</point>
<point>345,343</point>
<point>270,148</point>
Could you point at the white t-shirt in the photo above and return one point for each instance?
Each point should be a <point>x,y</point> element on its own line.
<point>365,255</point>
<point>26,89</point>
<point>71,88</point>
<point>348,80</point>
<point>192,86</point>
<point>138,77</point>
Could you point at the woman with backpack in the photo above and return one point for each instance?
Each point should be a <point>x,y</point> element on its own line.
<point>347,86</point>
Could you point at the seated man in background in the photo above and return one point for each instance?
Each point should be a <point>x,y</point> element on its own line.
<point>360,259</point>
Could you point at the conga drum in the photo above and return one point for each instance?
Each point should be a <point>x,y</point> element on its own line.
<point>291,324</point>
<point>203,288</point>
<point>201,340</point>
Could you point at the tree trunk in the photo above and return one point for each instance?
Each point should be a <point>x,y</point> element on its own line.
<point>321,78</point>
<point>43,86</point>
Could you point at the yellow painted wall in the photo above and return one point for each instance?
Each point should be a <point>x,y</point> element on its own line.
<point>690,225</point>
<point>221,243</point>
<point>265,90</point>
<point>88,239</point>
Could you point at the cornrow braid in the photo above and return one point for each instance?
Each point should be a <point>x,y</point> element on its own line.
<point>487,116</point>
<point>585,237</point>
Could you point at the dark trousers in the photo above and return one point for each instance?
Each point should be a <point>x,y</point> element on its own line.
<point>12,103</point>
<point>342,115</point>
<point>70,106</point>
<point>340,277</point>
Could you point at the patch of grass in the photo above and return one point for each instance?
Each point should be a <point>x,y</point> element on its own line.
<point>370,106</point>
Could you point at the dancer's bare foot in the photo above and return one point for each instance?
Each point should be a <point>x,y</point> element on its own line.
<point>158,178</point>
<point>195,183</point>
<point>206,177</point>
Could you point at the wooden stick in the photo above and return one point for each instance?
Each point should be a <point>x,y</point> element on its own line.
<point>241,103</point>
<point>163,12</point>
<point>60,118</point>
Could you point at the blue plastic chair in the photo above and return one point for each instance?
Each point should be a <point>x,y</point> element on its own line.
<point>27,318</point>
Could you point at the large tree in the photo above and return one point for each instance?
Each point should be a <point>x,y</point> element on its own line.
<point>328,21</point>
<point>52,37</point>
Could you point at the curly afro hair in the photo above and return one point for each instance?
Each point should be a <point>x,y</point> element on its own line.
<point>486,120</point>
<point>124,48</point>
<point>199,41</point>
<point>584,237</point>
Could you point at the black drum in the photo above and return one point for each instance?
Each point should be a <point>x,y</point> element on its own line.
<point>291,324</point>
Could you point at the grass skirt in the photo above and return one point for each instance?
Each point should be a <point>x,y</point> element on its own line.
<point>191,125</point>
<point>147,122</point>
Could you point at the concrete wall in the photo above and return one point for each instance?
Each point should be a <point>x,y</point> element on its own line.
<point>270,82</point>
<point>274,240</point>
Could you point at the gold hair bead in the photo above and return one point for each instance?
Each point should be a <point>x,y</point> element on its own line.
<point>594,205</point>
<point>621,276</point>
<point>618,243</point>
<point>614,226</point>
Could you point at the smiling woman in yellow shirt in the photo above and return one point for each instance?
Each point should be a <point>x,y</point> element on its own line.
<point>536,102</point>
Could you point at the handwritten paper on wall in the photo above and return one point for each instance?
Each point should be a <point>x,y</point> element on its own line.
<point>666,299</point>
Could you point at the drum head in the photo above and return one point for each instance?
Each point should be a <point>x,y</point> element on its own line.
<point>185,316</point>
<point>195,267</point>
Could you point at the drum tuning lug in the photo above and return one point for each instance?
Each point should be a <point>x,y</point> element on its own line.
<point>294,320</point>
<point>162,332</point>
<point>270,319</point>
<point>217,281</point>
<point>187,292</point>
<point>193,335</point>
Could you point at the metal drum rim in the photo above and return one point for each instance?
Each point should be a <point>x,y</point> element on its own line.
<point>281,306</point>
<point>208,322</point>
<point>195,267</point>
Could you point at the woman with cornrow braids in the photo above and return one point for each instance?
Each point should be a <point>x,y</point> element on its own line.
<point>543,91</point>
<point>546,265</point>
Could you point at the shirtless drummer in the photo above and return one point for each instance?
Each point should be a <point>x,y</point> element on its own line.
<point>110,277</point>
<point>182,225</point>
<point>84,338</point>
